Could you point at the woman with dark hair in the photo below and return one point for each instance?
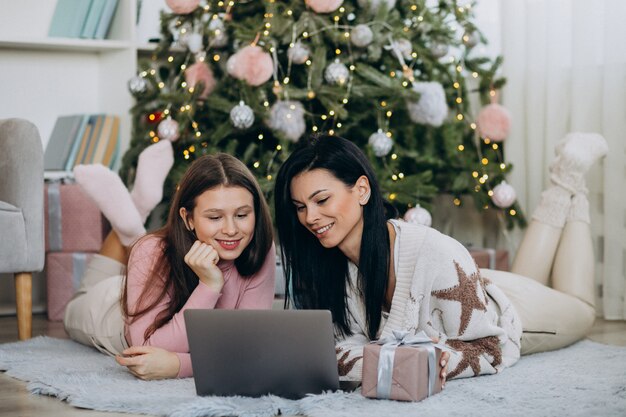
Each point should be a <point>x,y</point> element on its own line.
<point>343,251</point>
<point>215,251</point>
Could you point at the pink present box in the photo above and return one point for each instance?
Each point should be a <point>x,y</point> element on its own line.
<point>64,273</point>
<point>410,375</point>
<point>490,258</point>
<point>73,222</point>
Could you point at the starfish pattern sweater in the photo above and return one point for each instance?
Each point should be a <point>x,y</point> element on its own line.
<point>439,289</point>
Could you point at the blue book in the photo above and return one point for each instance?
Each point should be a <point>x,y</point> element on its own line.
<point>106,18</point>
<point>60,142</point>
<point>93,17</point>
<point>69,18</point>
<point>69,164</point>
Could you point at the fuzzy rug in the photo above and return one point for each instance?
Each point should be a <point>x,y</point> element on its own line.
<point>585,379</point>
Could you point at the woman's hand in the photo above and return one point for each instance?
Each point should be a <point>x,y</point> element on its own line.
<point>203,259</point>
<point>149,362</point>
<point>443,361</point>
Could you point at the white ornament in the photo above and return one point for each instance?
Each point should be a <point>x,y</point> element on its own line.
<point>168,129</point>
<point>194,43</point>
<point>504,195</point>
<point>439,50</point>
<point>183,34</point>
<point>431,108</point>
<point>405,47</point>
<point>373,5</point>
<point>361,35</point>
<point>336,73</point>
<point>380,143</point>
<point>242,116</point>
<point>218,37</point>
<point>137,85</point>
<point>298,53</point>
<point>287,117</point>
<point>418,215</point>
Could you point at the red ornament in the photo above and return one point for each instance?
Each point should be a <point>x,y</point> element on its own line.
<point>154,117</point>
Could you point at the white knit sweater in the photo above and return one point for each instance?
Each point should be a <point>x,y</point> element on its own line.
<point>439,290</point>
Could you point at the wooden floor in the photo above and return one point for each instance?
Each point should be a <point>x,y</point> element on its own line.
<point>15,400</point>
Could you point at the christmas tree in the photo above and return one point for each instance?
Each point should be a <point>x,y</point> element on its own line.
<point>251,78</point>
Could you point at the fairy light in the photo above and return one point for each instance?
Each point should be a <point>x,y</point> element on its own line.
<point>191,90</point>
<point>216,57</point>
<point>161,84</point>
<point>339,125</point>
<point>266,103</point>
<point>152,133</point>
<point>155,139</point>
<point>388,134</point>
<point>392,196</point>
<point>484,161</point>
<point>459,116</point>
<point>256,164</point>
<point>459,100</point>
<point>183,84</point>
<point>289,12</point>
<point>269,177</point>
<point>198,134</point>
<point>346,34</point>
<point>305,34</point>
<point>308,62</point>
<point>512,212</point>
<point>394,177</point>
<point>344,101</point>
<point>401,175</point>
<point>311,94</point>
<point>352,67</point>
<point>383,104</point>
<point>389,113</point>
<point>394,156</point>
<point>286,80</point>
<point>459,68</point>
<point>492,93</point>
<point>336,18</point>
<point>473,126</point>
<point>487,141</point>
<point>503,166</point>
<point>192,149</point>
<point>337,51</point>
<point>475,174</point>
<point>490,193</point>
<point>392,74</point>
<point>331,132</point>
<point>456,85</point>
<point>495,146</point>
<point>260,136</point>
<point>314,128</point>
<point>324,117</point>
<point>332,112</point>
<point>278,147</point>
<point>166,112</point>
<point>144,73</point>
<point>170,59</point>
<point>183,67</point>
<point>475,74</point>
<point>456,202</point>
<point>413,7</point>
<point>461,148</point>
<point>404,83</point>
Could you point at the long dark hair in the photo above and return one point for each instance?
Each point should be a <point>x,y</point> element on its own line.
<point>205,173</point>
<point>317,277</point>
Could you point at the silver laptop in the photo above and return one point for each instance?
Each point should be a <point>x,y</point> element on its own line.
<point>289,353</point>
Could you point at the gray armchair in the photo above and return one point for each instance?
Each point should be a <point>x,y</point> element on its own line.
<point>21,212</point>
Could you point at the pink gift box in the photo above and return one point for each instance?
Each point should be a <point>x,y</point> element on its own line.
<point>73,222</point>
<point>409,379</point>
<point>490,258</point>
<point>64,273</point>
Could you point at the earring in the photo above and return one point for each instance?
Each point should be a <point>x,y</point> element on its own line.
<point>365,199</point>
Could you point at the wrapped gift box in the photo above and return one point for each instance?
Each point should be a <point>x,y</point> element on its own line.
<point>410,377</point>
<point>64,272</point>
<point>490,258</point>
<point>73,222</point>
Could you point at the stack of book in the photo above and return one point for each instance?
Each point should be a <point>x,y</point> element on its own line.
<point>83,139</point>
<point>89,19</point>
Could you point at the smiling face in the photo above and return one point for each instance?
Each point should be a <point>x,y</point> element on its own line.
<point>331,210</point>
<point>223,218</point>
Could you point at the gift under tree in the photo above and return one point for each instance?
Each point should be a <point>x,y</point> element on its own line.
<point>252,78</point>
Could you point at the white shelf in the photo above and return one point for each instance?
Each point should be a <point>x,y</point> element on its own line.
<point>64,44</point>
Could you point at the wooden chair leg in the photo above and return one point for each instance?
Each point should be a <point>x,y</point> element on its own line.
<point>24,304</point>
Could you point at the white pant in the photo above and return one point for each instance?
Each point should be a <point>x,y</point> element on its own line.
<point>550,319</point>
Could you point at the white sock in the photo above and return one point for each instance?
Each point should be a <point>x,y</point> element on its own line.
<point>579,210</point>
<point>110,194</point>
<point>575,154</point>
<point>553,207</point>
<point>153,166</point>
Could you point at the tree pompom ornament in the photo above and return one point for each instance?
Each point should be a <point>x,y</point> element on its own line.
<point>503,195</point>
<point>381,143</point>
<point>431,108</point>
<point>183,6</point>
<point>373,5</point>
<point>242,116</point>
<point>200,72</point>
<point>418,215</point>
<point>361,35</point>
<point>298,53</point>
<point>336,73</point>
<point>137,85</point>
<point>323,6</point>
<point>287,118</point>
<point>252,65</point>
<point>194,42</point>
<point>168,130</point>
<point>494,122</point>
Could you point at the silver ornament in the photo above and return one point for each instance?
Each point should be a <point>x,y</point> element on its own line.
<point>287,118</point>
<point>194,42</point>
<point>380,143</point>
<point>418,215</point>
<point>504,195</point>
<point>184,32</point>
<point>439,50</point>
<point>471,38</point>
<point>137,85</point>
<point>298,53</point>
<point>336,73</point>
<point>361,35</point>
<point>405,47</point>
<point>218,37</point>
<point>373,5</point>
<point>168,129</point>
<point>242,116</point>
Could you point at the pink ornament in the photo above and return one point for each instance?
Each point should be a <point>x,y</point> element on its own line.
<point>183,6</point>
<point>503,195</point>
<point>324,6</point>
<point>200,73</point>
<point>251,64</point>
<point>494,122</point>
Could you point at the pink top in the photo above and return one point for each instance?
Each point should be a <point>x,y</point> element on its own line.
<point>256,292</point>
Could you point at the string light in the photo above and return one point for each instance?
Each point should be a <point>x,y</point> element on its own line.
<point>512,212</point>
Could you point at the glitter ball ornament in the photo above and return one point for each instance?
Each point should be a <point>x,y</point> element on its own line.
<point>336,73</point>
<point>361,35</point>
<point>200,72</point>
<point>418,215</point>
<point>287,118</point>
<point>251,64</point>
<point>431,108</point>
<point>298,53</point>
<point>439,50</point>
<point>182,6</point>
<point>380,143</point>
<point>373,5</point>
<point>194,43</point>
<point>503,195</point>
<point>242,116</point>
<point>218,36</point>
<point>137,85</point>
<point>168,130</point>
<point>494,122</point>
<point>323,6</point>
<point>471,38</point>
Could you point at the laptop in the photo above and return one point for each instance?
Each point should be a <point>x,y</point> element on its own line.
<point>289,353</point>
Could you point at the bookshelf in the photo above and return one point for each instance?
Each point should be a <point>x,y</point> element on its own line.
<point>43,77</point>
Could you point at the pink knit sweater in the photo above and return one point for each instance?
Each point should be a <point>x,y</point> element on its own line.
<point>256,292</point>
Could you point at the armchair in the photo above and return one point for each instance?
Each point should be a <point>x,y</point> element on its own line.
<point>21,212</point>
